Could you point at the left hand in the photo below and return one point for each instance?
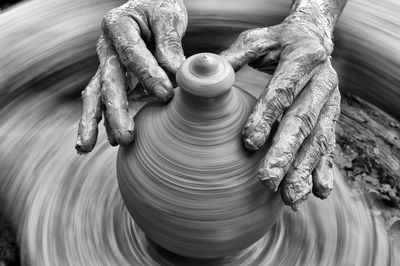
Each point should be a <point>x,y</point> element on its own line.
<point>304,89</point>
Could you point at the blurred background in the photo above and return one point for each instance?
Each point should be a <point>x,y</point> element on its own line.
<point>65,209</point>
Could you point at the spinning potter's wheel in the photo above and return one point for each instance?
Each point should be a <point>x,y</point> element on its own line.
<point>187,180</point>
<point>68,208</point>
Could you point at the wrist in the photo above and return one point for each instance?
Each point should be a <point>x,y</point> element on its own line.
<point>325,12</point>
<point>313,16</point>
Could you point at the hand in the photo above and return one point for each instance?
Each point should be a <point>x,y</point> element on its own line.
<point>304,89</point>
<point>141,39</point>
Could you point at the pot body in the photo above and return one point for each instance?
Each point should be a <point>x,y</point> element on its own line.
<point>188,181</point>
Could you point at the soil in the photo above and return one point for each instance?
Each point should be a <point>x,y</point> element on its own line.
<point>9,251</point>
<point>368,154</point>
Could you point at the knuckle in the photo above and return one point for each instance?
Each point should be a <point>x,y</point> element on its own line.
<point>284,97</point>
<point>337,98</point>
<point>331,147</point>
<point>328,158</point>
<point>318,52</point>
<point>332,76</point>
<point>110,19</point>
<point>170,45</point>
<point>321,144</point>
<point>272,111</point>
<point>89,94</point>
<point>110,78</point>
<point>306,122</point>
<point>251,36</point>
<point>168,16</point>
<point>328,45</point>
<point>334,79</point>
<point>244,35</point>
<point>100,49</point>
<point>323,50</point>
<point>312,50</point>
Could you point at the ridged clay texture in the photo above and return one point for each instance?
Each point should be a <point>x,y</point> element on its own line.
<point>187,179</point>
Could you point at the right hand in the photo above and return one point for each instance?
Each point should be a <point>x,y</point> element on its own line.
<point>141,39</point>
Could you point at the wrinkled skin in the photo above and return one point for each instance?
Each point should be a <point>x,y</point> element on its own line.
<point>302,93</point>
<point>142,39</point>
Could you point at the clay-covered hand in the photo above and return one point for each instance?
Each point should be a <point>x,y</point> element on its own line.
<point>303,94</point>
<point>141,41</point>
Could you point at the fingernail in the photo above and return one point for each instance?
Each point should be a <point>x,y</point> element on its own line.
<point>164,91</point>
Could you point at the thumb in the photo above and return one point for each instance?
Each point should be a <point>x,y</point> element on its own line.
<point>249,46</point>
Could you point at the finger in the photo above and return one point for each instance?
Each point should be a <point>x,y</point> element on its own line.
<point>297,65</point>
<point>302,184</point>
<point>110,135</point>
<point>124,34</point>
<point>323,177</point>
<point>114,98</point>
<point>251,44</point>
<point>323,173</point>
<point>91,115</point>
<point>168,28</point>
<point>298,182</point>
<point>296,125</point>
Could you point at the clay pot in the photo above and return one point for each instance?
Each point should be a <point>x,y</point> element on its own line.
<point>187,180</point>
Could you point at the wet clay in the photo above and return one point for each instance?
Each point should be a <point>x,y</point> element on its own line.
<point>187,179</point>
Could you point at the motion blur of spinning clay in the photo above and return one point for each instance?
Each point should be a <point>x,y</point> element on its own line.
<point>187,180</point>
<point>193,177</point>
<point>68,208</point>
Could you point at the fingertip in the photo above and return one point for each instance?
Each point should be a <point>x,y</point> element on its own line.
<point>256,131</point>
<point>294,198</point>
<point>296,187</point>
<point>113,142</point>
<point>172,63</point>
<point>122,128</point>
<point>287,194</point>
<point>124,136</point>
<point>250,145</point>
<point>253,137</point>
<point>110,134</point>
<point>164,91</point>
<point>322,194</point>
<point>323,178</point>
<point>178,61</point>
<point>87,136</point>
<point>233,59</point>
<point>269,178</point>
<point>295,205</point>
<point>84,146</point>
